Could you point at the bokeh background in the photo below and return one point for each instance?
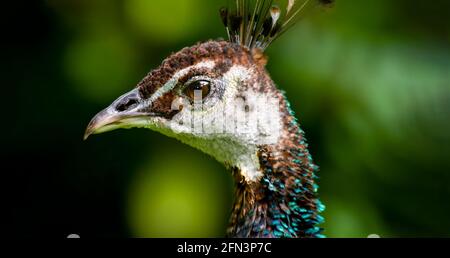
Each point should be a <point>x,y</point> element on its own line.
<point>369,80</point>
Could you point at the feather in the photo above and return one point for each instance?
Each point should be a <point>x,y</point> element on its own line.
<point>290,5</point>
<point>257,23</point>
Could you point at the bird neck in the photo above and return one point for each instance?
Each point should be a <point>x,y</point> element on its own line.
<point>283,201</point>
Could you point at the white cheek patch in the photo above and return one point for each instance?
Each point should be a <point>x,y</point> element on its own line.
<point>250,116</point>
<point>232,129</point>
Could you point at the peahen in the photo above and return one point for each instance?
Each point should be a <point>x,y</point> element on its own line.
<point>218,97</point>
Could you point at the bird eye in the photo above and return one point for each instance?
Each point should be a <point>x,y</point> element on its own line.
<point>198,90</point>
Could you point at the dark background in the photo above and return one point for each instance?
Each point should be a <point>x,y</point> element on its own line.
<point>369,81</point>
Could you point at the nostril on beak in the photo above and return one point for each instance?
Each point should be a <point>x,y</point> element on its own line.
<point>126,103</point>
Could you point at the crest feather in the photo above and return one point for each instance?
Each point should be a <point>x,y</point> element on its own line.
<point>257,23</point>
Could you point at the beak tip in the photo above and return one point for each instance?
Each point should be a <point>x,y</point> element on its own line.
<point>87,133</point>
<point>90,129</point>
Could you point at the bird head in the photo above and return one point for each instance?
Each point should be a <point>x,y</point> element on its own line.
<point>215,96</point>
<point>218,97</point>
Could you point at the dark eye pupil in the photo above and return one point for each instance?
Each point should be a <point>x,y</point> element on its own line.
<point>198,89</point>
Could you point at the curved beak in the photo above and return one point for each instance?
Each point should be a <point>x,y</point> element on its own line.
<point>122,113</point>
<point>102,122</point>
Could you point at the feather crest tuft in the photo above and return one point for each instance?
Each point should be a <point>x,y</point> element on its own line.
<point>257,23</point>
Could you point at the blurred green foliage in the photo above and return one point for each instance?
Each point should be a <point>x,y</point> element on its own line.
<point>372,98</point>
<point>369,81</point>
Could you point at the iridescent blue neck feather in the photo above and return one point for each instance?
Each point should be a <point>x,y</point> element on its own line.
<point>283,203</point>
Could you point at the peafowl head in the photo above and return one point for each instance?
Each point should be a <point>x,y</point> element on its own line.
<point>215,96</point>
<point>218,97</point>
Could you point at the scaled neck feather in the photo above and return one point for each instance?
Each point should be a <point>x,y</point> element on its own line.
<point>283,203</point>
